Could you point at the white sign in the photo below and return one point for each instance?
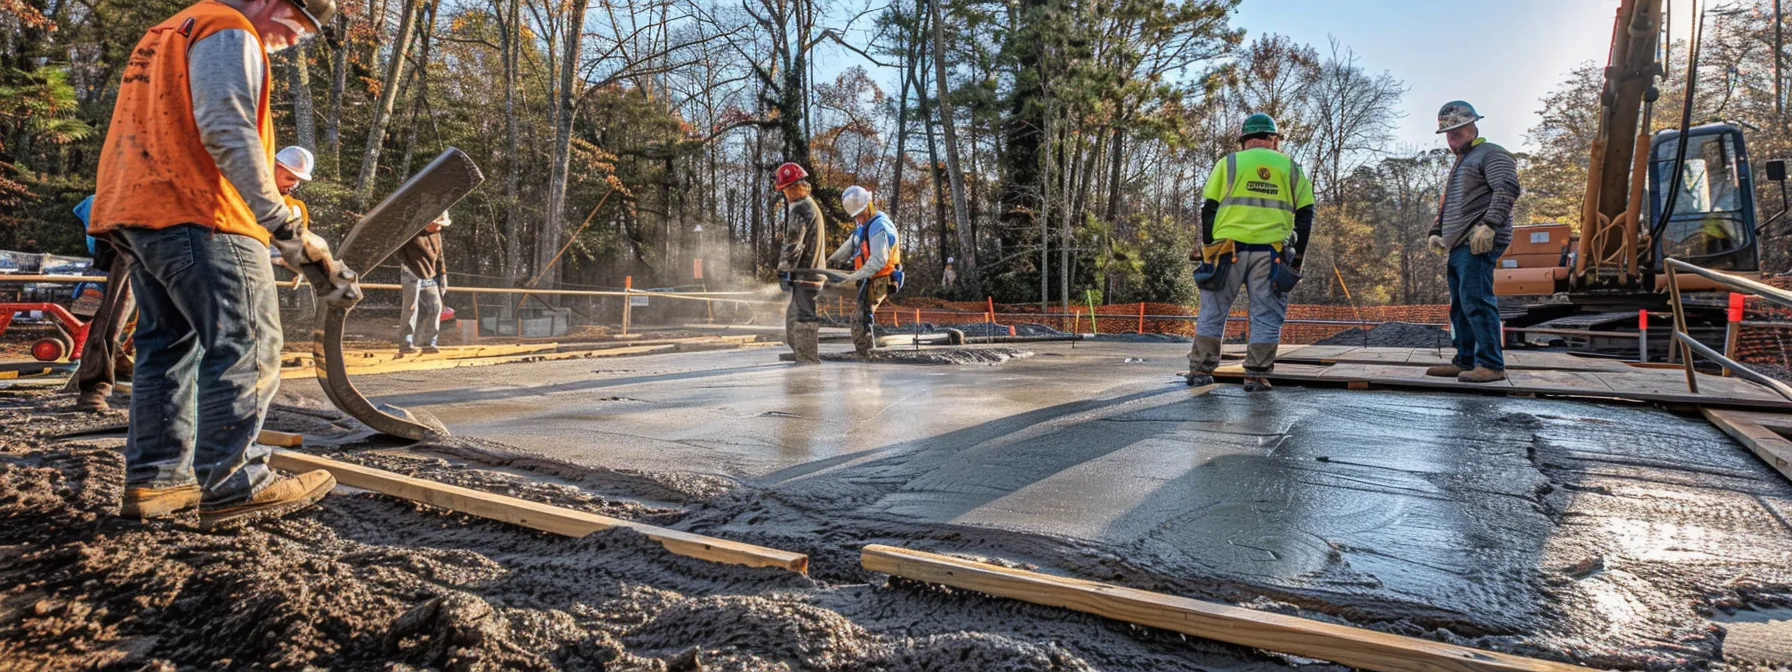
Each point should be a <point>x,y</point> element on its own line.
<point>1539,236</point>
<point>1508,263</point>
<point>637,300</point>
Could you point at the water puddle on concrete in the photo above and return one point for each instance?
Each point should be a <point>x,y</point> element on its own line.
<point>1757,634</point>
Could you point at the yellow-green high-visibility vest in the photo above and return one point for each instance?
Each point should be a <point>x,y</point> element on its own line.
<point>1258,191</point>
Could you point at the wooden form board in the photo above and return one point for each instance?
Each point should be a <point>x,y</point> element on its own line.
<point>1515,359</point>
<point>562,521</point>
<point>1652,385</point>
<point>528,353</point>
<point>1756,431</point>
<point>1367,649</point>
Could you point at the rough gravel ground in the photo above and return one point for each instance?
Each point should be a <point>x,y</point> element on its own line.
<point>1390,335</point>
<point>367,582</point>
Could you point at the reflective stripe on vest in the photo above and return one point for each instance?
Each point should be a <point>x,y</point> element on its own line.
<point>1235,221</point>
<point>154,170</point>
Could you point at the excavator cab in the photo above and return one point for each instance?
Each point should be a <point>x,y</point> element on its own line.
<point>1713,223</point>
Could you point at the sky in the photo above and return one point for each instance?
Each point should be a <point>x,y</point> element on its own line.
<point>1501,57</point>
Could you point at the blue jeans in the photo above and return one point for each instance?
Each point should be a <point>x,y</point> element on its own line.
<point>208,361</point>
<point>1474,310</point>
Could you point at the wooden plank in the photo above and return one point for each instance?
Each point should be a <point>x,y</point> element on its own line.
<point>1367,649</point>
<point>548,518</point>
<point>281,439</point>
<point>1658,386</point>
<point>1765,443</point>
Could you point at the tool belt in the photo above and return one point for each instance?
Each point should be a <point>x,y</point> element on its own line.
<point>1216,261</point>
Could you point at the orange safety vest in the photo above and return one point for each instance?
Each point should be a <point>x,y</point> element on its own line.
<point>864,254</point>
<point>154,171</point>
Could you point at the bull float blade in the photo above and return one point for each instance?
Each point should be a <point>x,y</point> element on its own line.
<point>377,236</point>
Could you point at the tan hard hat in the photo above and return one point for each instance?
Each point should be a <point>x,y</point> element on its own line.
<point>319,11</point>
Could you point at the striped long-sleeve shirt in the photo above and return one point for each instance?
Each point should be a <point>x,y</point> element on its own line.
<point>1483,186</point>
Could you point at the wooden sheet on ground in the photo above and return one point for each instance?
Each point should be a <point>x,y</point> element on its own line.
<point>1655,385</point>
<point>1757,431</point>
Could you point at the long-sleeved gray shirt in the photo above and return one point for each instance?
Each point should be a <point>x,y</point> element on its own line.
<point>1482,188</point>
<point>881,242</point>
<point>224,76</point>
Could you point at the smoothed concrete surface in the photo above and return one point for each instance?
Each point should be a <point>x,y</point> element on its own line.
<point>1599,528</point>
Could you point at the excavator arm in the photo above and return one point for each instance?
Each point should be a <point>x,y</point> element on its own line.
<point>1610,225</point>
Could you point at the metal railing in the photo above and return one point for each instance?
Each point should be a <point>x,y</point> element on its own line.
<point>1689,345</point>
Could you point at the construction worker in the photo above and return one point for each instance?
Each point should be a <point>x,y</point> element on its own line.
<point>1256,219</point>
<point>102,355</point>
<point>950,277</point>
<point>876,262</point>
<point>292,166</point>
<point>1473,228</point>
<point>804,229</point>
<point>424,277</point>
<point>186,185</point>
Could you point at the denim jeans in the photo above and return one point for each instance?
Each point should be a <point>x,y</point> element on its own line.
<point>208,360</point>
<point>1474,310</point>
<point>419,311</point>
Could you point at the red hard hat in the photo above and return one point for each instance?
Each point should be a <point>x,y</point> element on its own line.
<point>787,175</point>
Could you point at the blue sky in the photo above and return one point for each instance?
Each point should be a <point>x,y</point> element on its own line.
<point>1500,56</point>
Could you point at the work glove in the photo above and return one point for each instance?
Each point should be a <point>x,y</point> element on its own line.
<point>309,254</point>
<point>1437,246</point>
<point>1480,239</point>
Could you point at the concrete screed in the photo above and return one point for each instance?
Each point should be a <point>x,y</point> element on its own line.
<point>1613,531</point>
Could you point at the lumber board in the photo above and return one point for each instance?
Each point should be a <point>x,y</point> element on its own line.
<point>1763,441</point>
<point>1650,385</point>
<point>281,439</point>
<point>1367,649</point>
<point>544,517</point>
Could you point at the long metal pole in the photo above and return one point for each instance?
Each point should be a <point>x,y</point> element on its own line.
<point>1778,46</point>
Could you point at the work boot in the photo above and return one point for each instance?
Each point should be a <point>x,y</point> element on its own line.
<point>1444,371</point>
<point>92,402</point>
<point>1257,385</point>
<point>1481,374</point>
<point>283,496</point>
<point>1198,378</point>
<point>143,502</point>
<point>805,340</point>
<point>431,350</point>
<point>406,350</point>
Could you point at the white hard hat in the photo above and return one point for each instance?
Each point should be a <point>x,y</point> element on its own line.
<point>298,160</point>
<point>950,260</point>
<point>855,198</point>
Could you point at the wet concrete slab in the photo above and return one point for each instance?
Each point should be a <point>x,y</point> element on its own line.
<point>1607,529</point>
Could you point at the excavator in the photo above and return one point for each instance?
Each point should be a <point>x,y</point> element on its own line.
<point>1586,291</point>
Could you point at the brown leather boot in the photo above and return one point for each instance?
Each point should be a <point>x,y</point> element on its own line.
<point>283,496</point>
<point>1257,384</point>
<point>1444,371</point>
<point>92,402</point>
<point>1481,374</point>
<point>141,502</point>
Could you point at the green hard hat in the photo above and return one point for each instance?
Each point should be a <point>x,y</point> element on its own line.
<point>1258,123</point>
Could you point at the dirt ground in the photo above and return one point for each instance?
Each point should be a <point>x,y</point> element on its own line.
<point>1641,560</point>
<point>364,581</point>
